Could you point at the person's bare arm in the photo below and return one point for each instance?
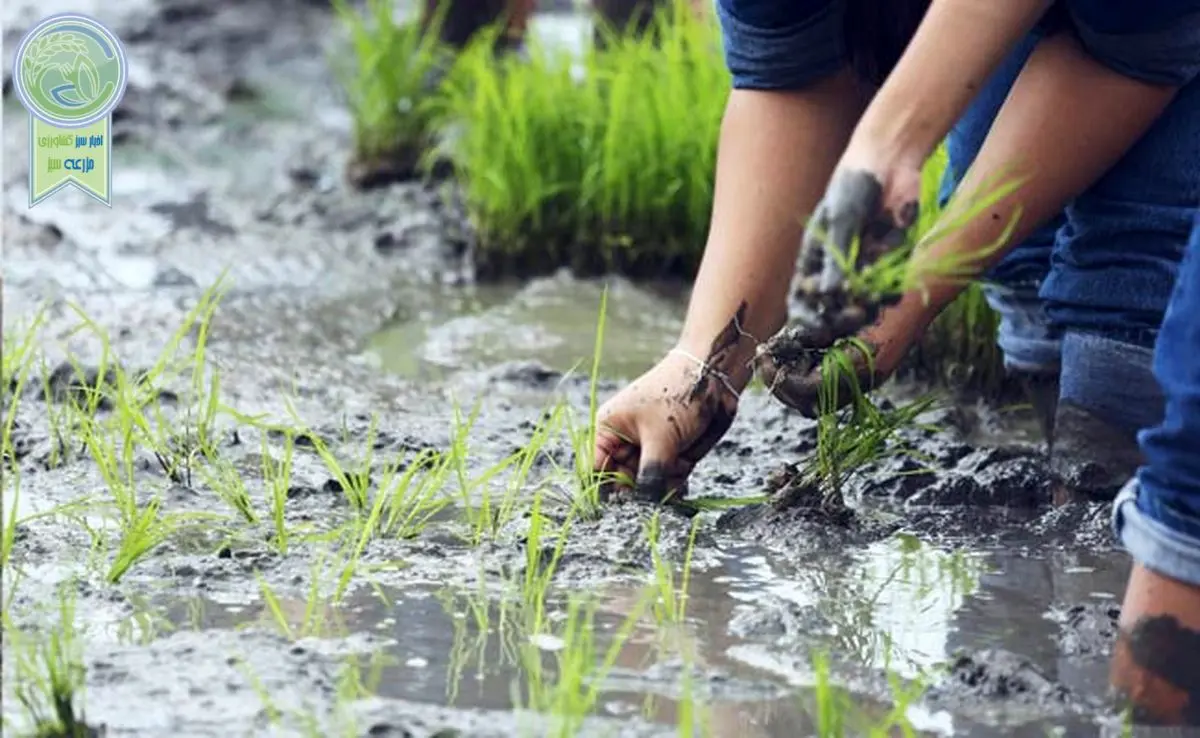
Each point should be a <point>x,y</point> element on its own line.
<point>954,51</point>
<point>876,185</point>
<point>775,155</point>
<point>1067,120</point>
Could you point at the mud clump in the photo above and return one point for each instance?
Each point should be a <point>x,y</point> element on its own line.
<point>1089,630</point>
<point>995,674</point>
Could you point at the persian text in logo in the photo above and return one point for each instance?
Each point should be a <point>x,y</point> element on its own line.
<point>70,73</point>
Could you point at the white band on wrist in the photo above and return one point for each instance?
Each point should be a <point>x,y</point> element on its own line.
<point>705,370</point>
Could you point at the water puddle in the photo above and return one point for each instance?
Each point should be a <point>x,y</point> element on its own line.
<point>443,330</point>
<point>753,625</point>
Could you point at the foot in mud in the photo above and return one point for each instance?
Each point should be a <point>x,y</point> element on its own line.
<point>1090,459</point>
<point>1041,389</point>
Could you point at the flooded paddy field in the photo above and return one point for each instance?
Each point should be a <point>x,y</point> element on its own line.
<point>330,485</point>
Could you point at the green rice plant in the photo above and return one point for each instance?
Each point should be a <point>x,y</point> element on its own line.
<point>137,420</point>
<point>222,476</point>
<point>50,676</point>
<point>568,690</point>
<point>355,483</point>
<point>516,485</point>
<point>959,348</point>
<point>836,716</point>
<point>588,483</point>
<point>416,496</point>
<point>8,534</point>
<point>859,434</point>
<point>907,267</point>
<point>474,493</point>
<point>365,529</point>
<point>16,362</point>
<point>600,162</point>
<point>136,400</point>
<point>539,571</point>
<point>313,622</point>
<point>849,436</point>
<point>671,605</point>
<point>277,480</point>
<point>387,84</point>
<point>833,704</point>
<point>61,414</point>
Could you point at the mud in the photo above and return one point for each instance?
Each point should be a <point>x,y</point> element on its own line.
<point>360,305</point>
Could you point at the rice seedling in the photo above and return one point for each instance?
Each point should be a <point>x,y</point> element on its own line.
<point>568,691</point>
<point>354,483</point>
<point>224,477</point>
<point>61,414</point>
<point>835,715</point>
<point>862,433</point>
<point>671,605</point>
<point>16,361</point>
<point>390,72</point>
<point>598,162</point>
<point>50,676</point>
<point>959,348</point>
<point>416,497</point>
<point>312,620</point>
<point>277,480</point>
<point>849,436</point>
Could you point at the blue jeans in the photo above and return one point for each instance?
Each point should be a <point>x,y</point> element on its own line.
<point>1157,515</point>
<point>1084,296</point>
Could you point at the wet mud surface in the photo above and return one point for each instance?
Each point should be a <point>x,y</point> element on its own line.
<point>232,144</point>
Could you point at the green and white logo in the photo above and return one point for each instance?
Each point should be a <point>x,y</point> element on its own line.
<point>70,73</point>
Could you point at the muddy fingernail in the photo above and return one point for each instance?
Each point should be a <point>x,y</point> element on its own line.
<point>651,482</point>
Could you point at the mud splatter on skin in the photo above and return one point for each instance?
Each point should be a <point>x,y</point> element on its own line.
<point>1167,652</point>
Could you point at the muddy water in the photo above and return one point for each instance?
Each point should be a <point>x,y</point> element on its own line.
<point>550,321</point>
<point>231,148</point>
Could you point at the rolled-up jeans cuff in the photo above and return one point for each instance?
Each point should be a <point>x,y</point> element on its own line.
<point>784,56</point>
<point>1030,343</point>
<point>1170,550</point>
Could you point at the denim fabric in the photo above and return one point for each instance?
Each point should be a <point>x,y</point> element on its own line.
<point>787,44</point>
<point>1156,42</point>
<point>780,45</point>
<point>1105,267</point>
<point>1111,379</point>
<point>1157,515</point>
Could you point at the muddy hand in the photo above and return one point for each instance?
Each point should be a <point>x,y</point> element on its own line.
<point>652,434</point>
<point>790,367</point>
<point>854,208</point>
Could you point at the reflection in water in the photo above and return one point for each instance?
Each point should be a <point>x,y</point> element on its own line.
<point>898,605</point>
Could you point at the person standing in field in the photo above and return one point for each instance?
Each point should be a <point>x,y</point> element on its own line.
<point>1097,106</point>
